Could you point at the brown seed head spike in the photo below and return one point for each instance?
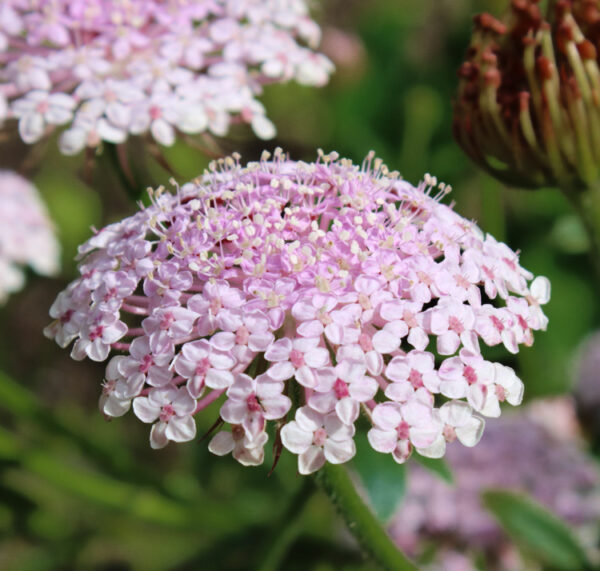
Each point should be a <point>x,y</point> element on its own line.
<point>530,94</point>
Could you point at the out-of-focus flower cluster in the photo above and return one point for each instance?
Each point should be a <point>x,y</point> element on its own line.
<point>528,107</point>
<point>108,69</point>
<point>522,452</point>
<point>26,233</point>
<point>320,288</point>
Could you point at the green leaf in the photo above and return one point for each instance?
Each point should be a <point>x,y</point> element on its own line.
<point>436,465</point>
<point>382,477</point>
<point>536,530</point>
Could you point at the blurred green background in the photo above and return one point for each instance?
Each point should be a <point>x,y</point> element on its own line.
<point>77,492</point>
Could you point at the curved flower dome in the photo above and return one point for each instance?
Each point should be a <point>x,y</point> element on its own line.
<point>319,288</point>
<point>26,234</point>
<point>108,69</point>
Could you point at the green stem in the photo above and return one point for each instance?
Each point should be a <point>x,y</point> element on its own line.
<point>286,529</point>
<point>372,537</point>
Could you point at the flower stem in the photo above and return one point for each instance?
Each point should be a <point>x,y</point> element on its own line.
<point>362,523</point>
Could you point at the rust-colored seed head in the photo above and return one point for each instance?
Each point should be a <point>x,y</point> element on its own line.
<point>528,108</point>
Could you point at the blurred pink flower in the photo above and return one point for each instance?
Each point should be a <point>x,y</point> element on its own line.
<point>287,281</point>
<point>107,69</point>
<point>512,454</point>
<point>27,235</point>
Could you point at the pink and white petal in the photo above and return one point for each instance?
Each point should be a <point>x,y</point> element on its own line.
<point>423,437</point>
<point>260,342</point>
<point>385,342</point>
<point>181,429</point>
<point>398,369</point>
<point>540,289</point>
<point>276,407</point>
<point>254,425</point>
<point>223,341</point>
<point>347,410</point>
<point>323,402</point>
<point>31,127</point>
<point>454,388</point>
<point>113,406</point>
<point>384,441</point>
<point>310,329</point>
<point>387,416</point>
<point>491,407</point>
<point>234,411</point>
<point>221,443</point>
<point>216,379</point>
<point>306,377</point>
<point>311,460</point>
<point>196,386</point>
<point>402,451</point>
<point>448,343</point>
<point>400,391</point>
<point>295,439</point>
<point>455,413</point>
<point>374,362</point>
<point>281,371</point>
<point>436,449</point>
<point>470,433</point>
<point>145,410</point>
<point>418,338</point>
<point>363,390</point>
<point>477,395</point>
<point>163,132</point>
<point>158,437</point>
<point>317,357</point>
<point>279,351</point>
<point>338,452</point>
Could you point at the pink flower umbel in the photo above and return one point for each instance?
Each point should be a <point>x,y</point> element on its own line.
<point>107,70</point>
<point>298,295</point>
<point>26,234</point>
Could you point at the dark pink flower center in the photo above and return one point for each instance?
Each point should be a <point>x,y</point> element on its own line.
<point>341,389</point>
<point>253,404</point>
<point>167,320</point>
<point>402,430</point>
<point>470,375</point>
<point>522,322</point>
<point>94,334</point>
<point>166,413</point>
<point>319,437</point>
<point>112,292</point>
<point>497,323</point>
<point>489,274</point>
<point>461,281</point>
<point>449,433</point>
<point>215,305</point>
<point>455,324</point>
<point>500,393</point>
<point>42,107</point>
<point>146,363</point>
<point>296,358</point>
<point>155,112</point>
<point>66,316</point>
<point>242,335</point>
<point>202,367</point>
<point>510,263</point>
<point>415,378</point>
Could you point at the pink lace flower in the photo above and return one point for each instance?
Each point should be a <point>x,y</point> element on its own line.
<point>109,69</point>
<point>316,290</point>
<point>26,236</point>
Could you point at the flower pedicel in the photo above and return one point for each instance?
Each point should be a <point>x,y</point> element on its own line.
<point>300,294</point>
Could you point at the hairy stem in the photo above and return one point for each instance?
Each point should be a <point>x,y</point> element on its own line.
<point>362,523</point>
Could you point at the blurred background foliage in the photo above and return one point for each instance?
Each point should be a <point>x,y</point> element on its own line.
<point>77,492</point>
